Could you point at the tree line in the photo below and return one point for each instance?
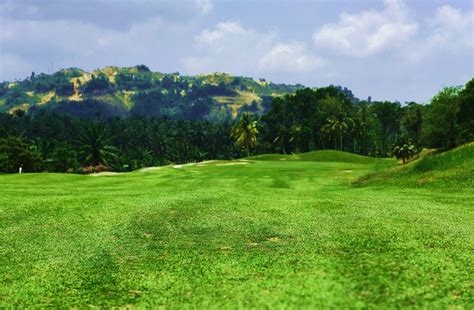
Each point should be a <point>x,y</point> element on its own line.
<point>327,118</point>
<point>309,119</point>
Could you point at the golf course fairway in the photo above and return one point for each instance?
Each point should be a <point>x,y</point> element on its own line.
<point>271,231</point>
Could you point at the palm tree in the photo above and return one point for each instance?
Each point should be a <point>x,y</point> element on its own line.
<point>280,137</point>
<point>94,146</point>
<point>295,132</point>
<point>337,126</point>
<point>329,130</point>
<point>363,124</point>
<point>404,149</point>
<point>245,132</point>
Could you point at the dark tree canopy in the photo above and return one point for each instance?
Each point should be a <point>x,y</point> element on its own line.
<point>182,119</point>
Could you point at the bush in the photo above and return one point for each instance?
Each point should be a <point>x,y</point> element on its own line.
<point>16,153</point>
<point>63,158</point>
<point>93,169</point>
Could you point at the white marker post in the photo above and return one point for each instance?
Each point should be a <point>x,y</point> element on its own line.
<point>20,170</point>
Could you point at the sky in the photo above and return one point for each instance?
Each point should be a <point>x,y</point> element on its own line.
<point>404,50</point>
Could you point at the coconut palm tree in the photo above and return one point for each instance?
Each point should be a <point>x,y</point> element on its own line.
<point>94,146</point>
<point>245,132</point>
<point>295,132</point>
<point>337,126</point>
<point>329,130</point>
<point>404,149</point>
<point>280,133</point>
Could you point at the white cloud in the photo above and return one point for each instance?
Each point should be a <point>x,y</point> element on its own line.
<point>448,17</point>
<point>230,47</point>
<point>204,6</point>
<point>452,28</point>
<point>68,43</point>
<point>289,57</point>
<point>120,15</point>
<point>449,33</point>
<point>33,34</point>
<point>368,32</point>
<point>227,35</point>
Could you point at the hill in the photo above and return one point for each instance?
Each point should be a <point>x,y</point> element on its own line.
<point>118,91</point>
<point>322,156</point>
<point>454,168</point>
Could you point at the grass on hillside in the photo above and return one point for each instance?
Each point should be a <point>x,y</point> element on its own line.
<point>274,233</point>
<point>237,102</point>
<point>121,98</point>
<point>325,156</point>
<point>454,168</point>
<point>216,78</point>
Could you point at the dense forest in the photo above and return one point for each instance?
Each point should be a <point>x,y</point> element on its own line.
<point>125,119</point>
<point>136,91</point>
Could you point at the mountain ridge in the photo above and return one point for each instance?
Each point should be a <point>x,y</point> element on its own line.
<point>127,91</point>
<point>120,88</point>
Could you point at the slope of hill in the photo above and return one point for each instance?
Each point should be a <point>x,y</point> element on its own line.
<point>454,168</point>
<point>323,156</point>
<point>116,91</point>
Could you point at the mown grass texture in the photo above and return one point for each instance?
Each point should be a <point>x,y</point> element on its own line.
<point>261,233</point>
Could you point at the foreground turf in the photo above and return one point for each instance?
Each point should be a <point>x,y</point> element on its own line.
<point>275,233</point>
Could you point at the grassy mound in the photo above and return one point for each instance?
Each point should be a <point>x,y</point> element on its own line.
<point>322,156</point>
<point>447,169</point>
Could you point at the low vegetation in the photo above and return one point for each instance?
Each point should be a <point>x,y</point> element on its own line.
<point>450,169</point>
<point>323,156</point>
<point>293,232</point>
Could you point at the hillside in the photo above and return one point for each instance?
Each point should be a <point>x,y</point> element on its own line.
<point>322,156</point>
<point>116,91</point>
<point>451,169</point>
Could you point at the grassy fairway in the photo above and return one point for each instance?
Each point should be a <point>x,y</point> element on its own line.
<point>278,232</point>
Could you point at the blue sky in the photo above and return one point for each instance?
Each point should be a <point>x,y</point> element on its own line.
<point>388,49</point>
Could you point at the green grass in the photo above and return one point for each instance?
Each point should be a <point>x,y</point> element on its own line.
<point>265,234</point>
<point>325,156</point>
<point>448,170</point>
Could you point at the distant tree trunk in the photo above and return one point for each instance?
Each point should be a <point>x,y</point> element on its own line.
<point>364,146</point>
<point>340,137</point>
<point>384,141</point>
<point>282,145</point>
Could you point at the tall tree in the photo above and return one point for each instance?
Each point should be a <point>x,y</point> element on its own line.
<point>441,117</point>
<point>338,127</point>
<point>95,147</point>
<point>466,113</point>
<point>338,122</point>
<point>388,116</point>
<point>412,120</point>
<point>360,126</point>
<point>245,132</point>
